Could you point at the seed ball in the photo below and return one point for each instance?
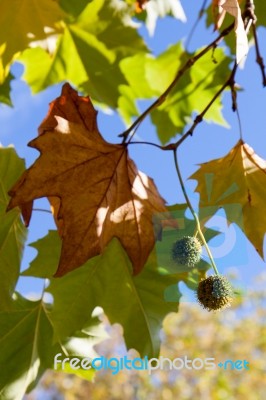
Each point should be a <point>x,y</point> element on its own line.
<point>187,251</point>
<point>215,293</point>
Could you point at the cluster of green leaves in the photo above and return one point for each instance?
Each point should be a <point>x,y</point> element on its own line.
<point>198,334</point>
<point>27,338</point>
<point>48,328</point>
<point>96,47</point>
<point>33,332</point>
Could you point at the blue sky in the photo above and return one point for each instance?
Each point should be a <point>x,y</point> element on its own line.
<point>19,125</point>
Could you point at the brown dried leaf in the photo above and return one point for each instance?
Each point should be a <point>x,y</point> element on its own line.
<point>95,189</point>
<point>218,14</point>
<point>220,7</point>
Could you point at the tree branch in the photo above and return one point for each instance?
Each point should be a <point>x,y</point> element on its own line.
<point>42,210</point>
<point>229,82</point>
<point>250,16</point>
<point>200,15</point>
<point>259,58</point>
<point>199,118</point>
<point>191,61</point>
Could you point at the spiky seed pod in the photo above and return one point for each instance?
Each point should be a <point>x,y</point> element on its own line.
<point>187,251</point>
<point>215,293</point>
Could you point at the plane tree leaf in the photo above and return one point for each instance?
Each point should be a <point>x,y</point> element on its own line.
<point>237,182</point>
<point>5,90</point>
<point>260,11</point>
<point>106,281</point>
<point>52,242</point>
<point>161,8</point>
<point>73,7</point>
<point>194,90</point>
<point>99,192</point>
<point>12,231</point>
<point>133,68</point>
<point>28,346</point>
<point>33,20</point>
<point>156,74</point>
<point>191,95</point>
<point>232,7</point>
<point>87,53</point>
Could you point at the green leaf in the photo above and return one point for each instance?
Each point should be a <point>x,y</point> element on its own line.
<point>12,231</point>
<point>89,58</point>
<point>260,12</point>
<point>49,249</point>
<point>165,67</point>
<point>190,95</point>
<point>74,7</point>
<point>112,26</point>
<point>23,22</point>
<point>87,54</point>
<point>149,77</point>
<point>26,348</point>
<point>82,343</point>
<point>133,69</point>
<point>5,90</point>
<point>126,104</point>
<point>88,375</point>
<point>107,281</point>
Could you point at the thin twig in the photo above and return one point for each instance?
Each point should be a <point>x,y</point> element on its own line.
<point>200,15</point>
<point>194,213</point>
<point>250,16</point>
<point>233,90</point>
<point>234,100</point>
<point>259,58</point>
<point>191,61</point>
<point>148,143</point>
<point>42,210</point>
<point>229,82</point>
<point>199,118</point>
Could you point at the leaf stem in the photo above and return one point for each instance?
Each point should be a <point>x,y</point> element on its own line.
<point>239,124</point>
<point>148,143</point>
<point>194,213</point>
<point>200,15</point>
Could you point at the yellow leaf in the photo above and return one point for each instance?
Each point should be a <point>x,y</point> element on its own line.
<point>239,178</point>
<point>25,21</point>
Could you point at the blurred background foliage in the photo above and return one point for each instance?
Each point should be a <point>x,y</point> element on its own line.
<point>237,334</point>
